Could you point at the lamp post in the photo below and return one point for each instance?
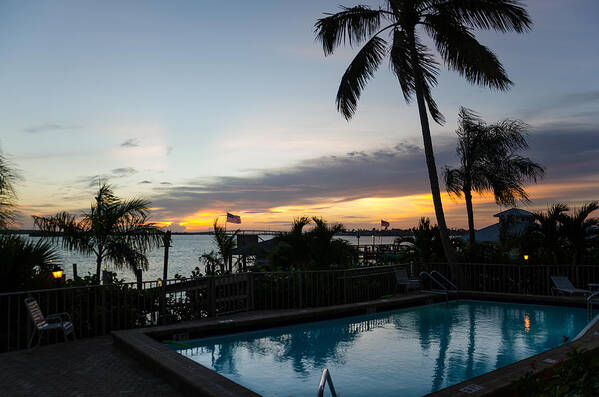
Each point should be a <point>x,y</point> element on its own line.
<point>57,273</point>
<point>525,256</point>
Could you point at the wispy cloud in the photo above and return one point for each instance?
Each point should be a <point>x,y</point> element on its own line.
<point>49,127</point>
<point>123,172</point>
<point>131,142</point>
<point>145,182</point>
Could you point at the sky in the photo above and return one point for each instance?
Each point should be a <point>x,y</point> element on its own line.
<point>207,107</point>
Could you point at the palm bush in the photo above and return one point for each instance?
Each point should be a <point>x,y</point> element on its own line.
<point>450,24</point>
<point>25,264</point>
<point>313,249</point>
<point>216,261</point>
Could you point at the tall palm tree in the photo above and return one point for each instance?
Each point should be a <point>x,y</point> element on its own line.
<point>488,162</point>
<point>114,230</point>
<point>547,227</point>
<point>577,229</point>
<point>450,24</point>
<point>8,176</point>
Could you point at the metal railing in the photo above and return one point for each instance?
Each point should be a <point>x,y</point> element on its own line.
<point>324,379</point>
<point>99,309</point>
<point>512,278</point>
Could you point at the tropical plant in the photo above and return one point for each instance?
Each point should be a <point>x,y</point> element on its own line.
<point>25,264</point>
<point>216,261</point>
<point>114,230</point>
<point>316,248</point>
<point>578,227</point>
<point>8,176</point>
<point>426,240</point>
<point>489,162</point>
<point>450,24</point>
<point>546,231</point>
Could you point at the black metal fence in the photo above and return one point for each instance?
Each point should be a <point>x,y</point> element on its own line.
<point>520,279</point>
<point>97,310</point>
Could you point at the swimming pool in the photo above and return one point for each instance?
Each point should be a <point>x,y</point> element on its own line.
<point>408,352</point>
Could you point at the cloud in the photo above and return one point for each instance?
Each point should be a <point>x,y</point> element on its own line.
<point>98,179</point>
<point>145,182</point>
<point>131,142</point>
<point>166,183</point>
<point>569,151</point>
<point>123,172</point>
<point>49,127</point>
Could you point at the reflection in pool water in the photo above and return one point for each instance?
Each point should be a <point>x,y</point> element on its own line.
<point>406,352</point>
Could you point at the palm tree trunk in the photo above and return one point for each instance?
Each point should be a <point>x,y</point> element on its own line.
<point>430,158</point>
<point>98,267</point>
<point>470,211</point>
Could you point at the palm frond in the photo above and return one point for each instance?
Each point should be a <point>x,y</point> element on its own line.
<point>64,228</point>
<point>360,70</point>
<point>402,65</point>
<point>463,53</point>
<point>499,15</point>
<point>454,181</point>
<point>353,25</point>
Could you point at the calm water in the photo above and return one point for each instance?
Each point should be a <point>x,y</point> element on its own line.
<point>408,352</point>
<point>183,256</point>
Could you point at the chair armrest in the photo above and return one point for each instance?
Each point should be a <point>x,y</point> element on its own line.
<point>64,316</point>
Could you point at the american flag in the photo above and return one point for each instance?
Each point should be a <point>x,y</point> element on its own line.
<point>233,218</point>
<point>385,224</point>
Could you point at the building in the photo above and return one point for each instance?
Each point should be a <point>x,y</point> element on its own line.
<point>512,221</point>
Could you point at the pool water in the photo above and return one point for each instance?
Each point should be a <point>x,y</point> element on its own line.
<point>408,352</point>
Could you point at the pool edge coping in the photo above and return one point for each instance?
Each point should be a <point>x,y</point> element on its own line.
<point>195,379</point>
<point>192,378</point>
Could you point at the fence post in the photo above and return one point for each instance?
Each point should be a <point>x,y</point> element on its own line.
<point>211,297</point>
<point>103,309</point>
<point>301,289</point>
<point>250,291</point>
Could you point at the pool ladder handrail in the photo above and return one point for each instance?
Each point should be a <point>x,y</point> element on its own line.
<point>591,299</point>
<point>429,275</point>
<point>437,273</point>
<point>324,379</point>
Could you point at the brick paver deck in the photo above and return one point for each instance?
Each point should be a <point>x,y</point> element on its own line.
<point>87,367</point>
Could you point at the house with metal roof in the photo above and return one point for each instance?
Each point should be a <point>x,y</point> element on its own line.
<point>513,221</point>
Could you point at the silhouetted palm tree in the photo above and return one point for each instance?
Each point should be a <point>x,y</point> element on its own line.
<point>577,228</point>
<point>547,228</point>
<point>25,264</point>
<point>8,177</point>
<point>114,230</point>
<point>488,162</point>
<point>225,243</point>
<point>316,248</point>
<point>450,24</point>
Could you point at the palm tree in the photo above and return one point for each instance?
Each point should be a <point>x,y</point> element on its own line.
<point>313,249</point>
<point>547,228</point>
<point>577,229</point>
<point>8,176</point>
<point>450,24</point>
<point>488,162</point>
<point>225,243</point>
<point>25,264</point>
<point>114,230</point>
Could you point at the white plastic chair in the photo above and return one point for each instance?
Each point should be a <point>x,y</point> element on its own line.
<point>41,323</point>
